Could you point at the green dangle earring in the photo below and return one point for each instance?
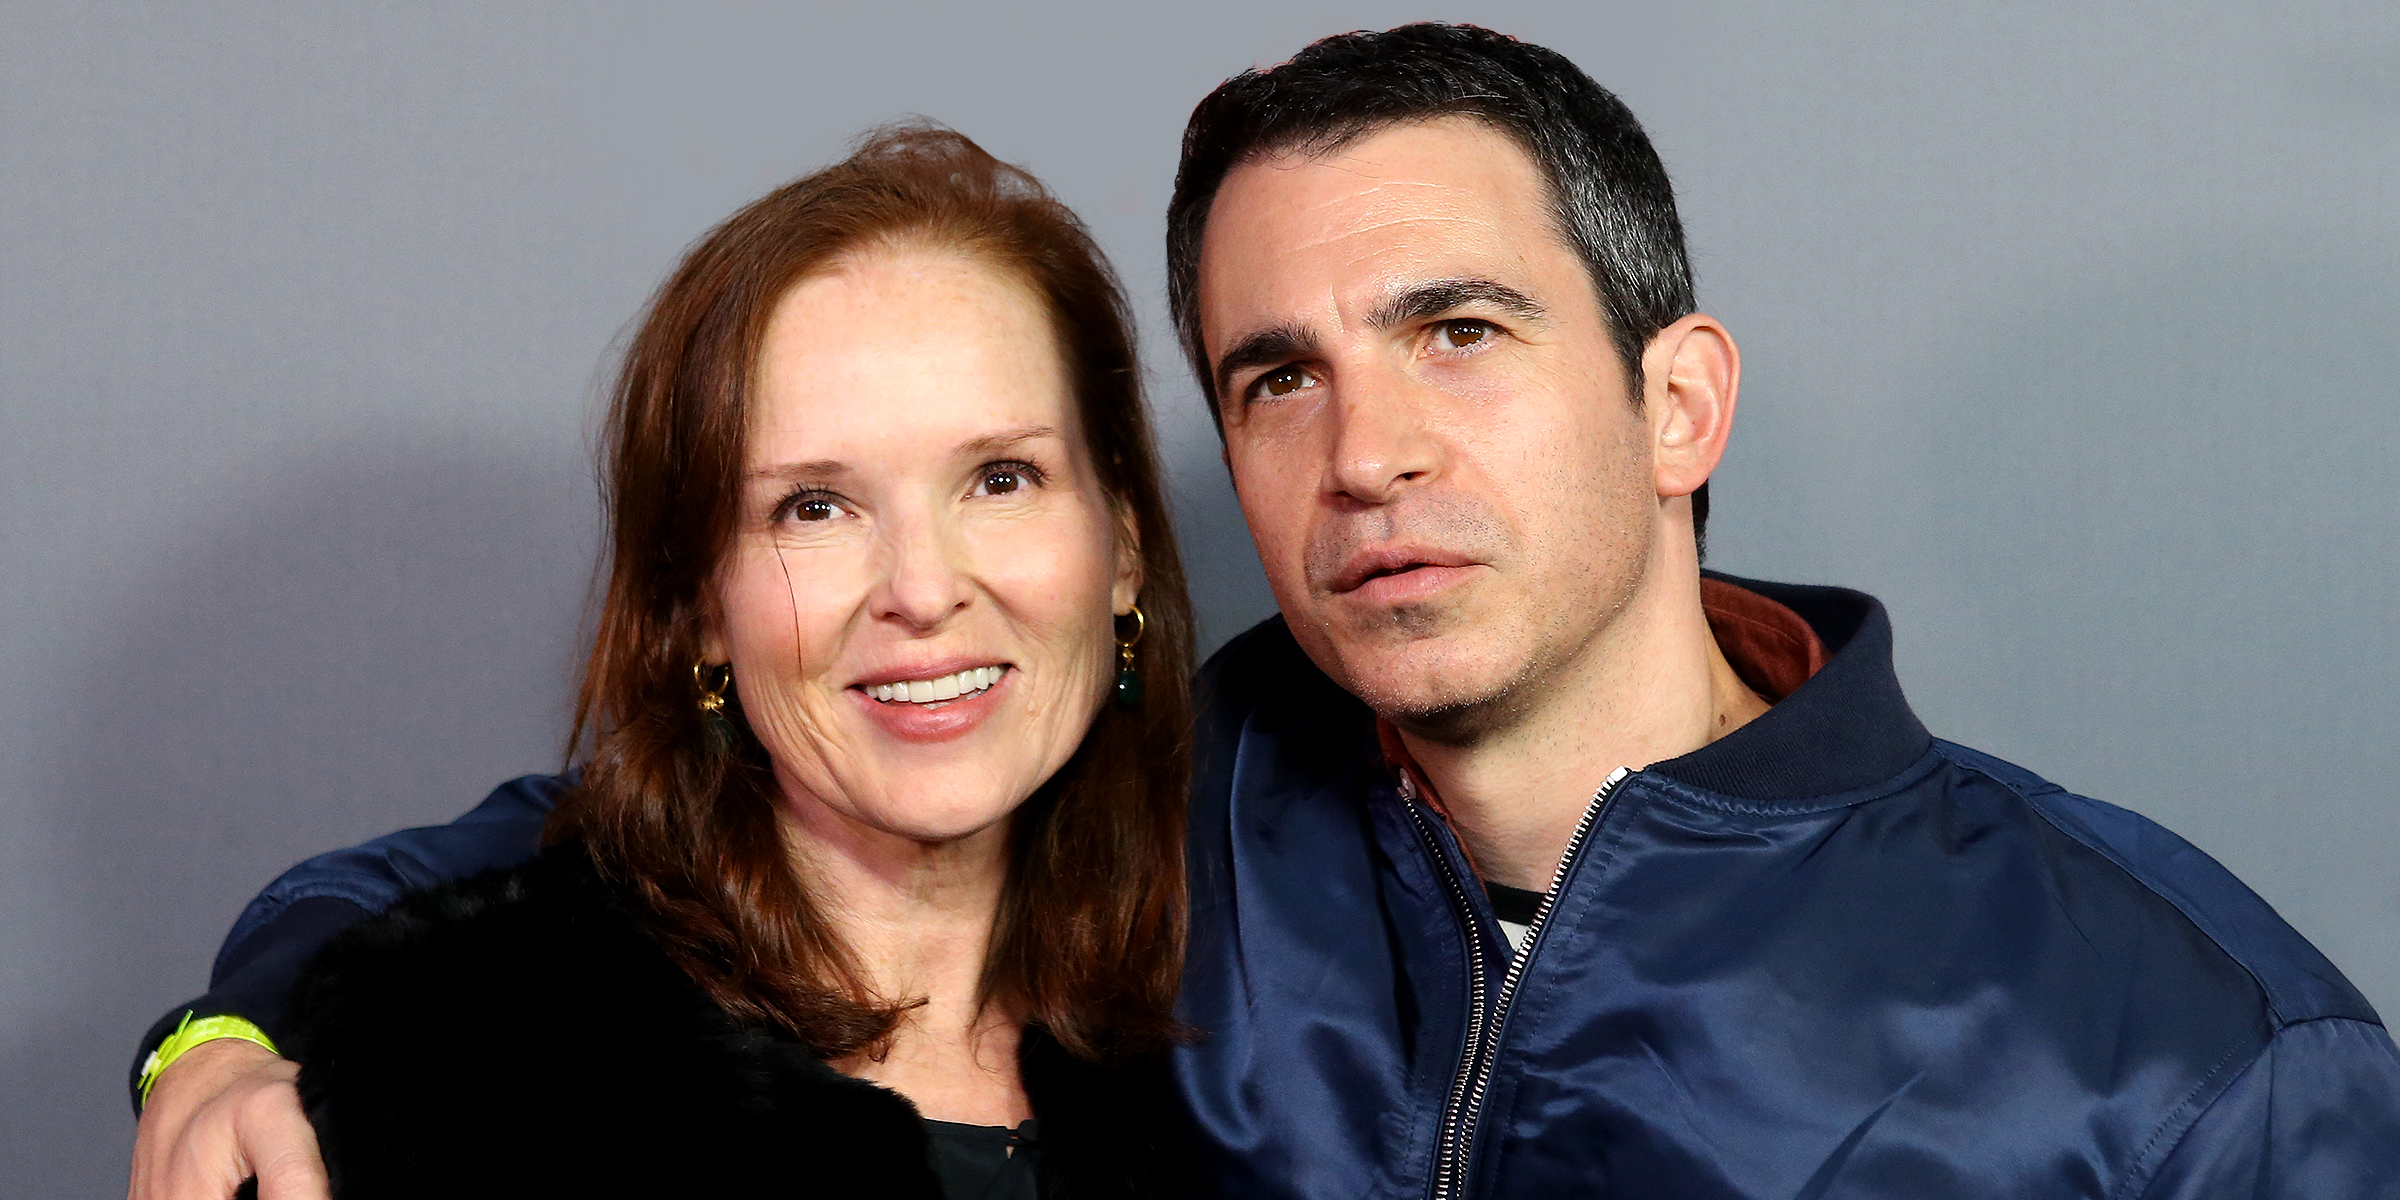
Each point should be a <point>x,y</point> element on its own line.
<point>712,704</point>
<point>1129,679</point>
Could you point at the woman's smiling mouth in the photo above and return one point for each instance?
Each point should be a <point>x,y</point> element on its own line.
<point>937,689</point>
<point>936,707</point>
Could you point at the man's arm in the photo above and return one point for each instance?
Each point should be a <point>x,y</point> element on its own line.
<point>285,924</point>
<point>2316,1116</point>
<point>226,1109</point>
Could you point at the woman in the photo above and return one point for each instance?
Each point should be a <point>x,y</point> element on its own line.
<point>886,717</point>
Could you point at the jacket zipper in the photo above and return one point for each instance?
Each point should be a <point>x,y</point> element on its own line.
<point>1455,1141</point>
<point>1443,1166</point>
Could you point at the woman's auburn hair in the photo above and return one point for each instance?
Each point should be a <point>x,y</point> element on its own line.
<point>1088,942</point>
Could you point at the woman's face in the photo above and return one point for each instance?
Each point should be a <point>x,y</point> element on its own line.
<point>918,604</point>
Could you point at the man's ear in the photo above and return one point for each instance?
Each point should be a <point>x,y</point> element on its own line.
<point>1691,372</point>
<point>1127,586</point>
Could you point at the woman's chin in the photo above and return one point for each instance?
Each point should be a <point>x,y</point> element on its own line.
<point>951,826</point>
<point>924,802</point>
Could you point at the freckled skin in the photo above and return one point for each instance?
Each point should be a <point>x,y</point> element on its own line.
<point>1523,453</point>
<point>919,499</point>
<point>883,373</point>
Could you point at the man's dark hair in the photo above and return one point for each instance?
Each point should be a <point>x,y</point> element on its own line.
<point>1607,187</point>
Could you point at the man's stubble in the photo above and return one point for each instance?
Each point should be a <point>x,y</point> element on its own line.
<point>1459,669</point>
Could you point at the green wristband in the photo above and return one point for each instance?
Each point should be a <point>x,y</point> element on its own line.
<point>193,1031</point>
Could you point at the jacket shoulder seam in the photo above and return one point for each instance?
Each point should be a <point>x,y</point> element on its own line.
<point>2185,1117</point>
<point>2276,1018</point>
<point>2147,1176</point>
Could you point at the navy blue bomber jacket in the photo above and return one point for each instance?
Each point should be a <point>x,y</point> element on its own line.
<point>1825,956</point>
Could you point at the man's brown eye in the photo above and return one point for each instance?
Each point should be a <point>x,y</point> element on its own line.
<point>1464,333</point>
<point>1284,382</point>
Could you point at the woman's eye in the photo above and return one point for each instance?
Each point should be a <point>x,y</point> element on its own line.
<point>1006,478</point>
<point>1458,335</point>
<point>1282,381</point>
<point>811,508</point>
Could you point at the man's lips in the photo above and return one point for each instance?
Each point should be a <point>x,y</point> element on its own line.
<point>1367,566</point>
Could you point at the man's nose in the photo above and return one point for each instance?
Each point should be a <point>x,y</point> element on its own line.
<point>924,578</point>
<point>1383,441</point>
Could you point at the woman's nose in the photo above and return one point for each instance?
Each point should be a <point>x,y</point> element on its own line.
<point>925,580</point>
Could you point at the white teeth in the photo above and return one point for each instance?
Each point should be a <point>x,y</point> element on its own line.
<point>947,687</point>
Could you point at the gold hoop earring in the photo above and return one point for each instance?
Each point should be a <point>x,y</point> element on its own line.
<point>712,696</point>
<point>1129,678</point>
<point>712,704</point>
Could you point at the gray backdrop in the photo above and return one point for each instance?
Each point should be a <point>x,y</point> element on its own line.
<point>2069,333</point>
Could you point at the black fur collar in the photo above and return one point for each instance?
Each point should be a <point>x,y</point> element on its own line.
<point>518,1034</point>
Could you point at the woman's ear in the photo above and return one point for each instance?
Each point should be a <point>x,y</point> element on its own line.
<point>1127,585</point>
<point>712,632</point>
<point>1691,373</point>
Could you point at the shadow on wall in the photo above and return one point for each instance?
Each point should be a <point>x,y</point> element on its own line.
<point>383,635</point>
<point>2155,560</point>
<point>1229,592</point>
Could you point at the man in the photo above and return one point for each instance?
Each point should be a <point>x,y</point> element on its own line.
<point>1528,860</point>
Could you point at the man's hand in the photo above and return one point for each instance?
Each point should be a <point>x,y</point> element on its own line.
<point>223,1112</point>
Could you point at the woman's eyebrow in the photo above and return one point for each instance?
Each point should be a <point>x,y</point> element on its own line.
<point>815,469</point>
<point>994,443</point>
<point>1435,297</point>
<point>819,470</point>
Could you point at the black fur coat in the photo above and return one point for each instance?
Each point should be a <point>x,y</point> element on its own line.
<point>518,1034</point>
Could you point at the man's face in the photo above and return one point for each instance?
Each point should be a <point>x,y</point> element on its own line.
<point>1426,420</point>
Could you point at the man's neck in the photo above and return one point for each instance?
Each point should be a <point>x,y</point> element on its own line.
<point>1652,687</point>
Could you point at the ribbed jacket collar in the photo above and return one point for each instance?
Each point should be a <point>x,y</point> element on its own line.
<point>1849,727</point>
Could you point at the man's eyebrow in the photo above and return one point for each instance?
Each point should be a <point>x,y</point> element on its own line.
<point>1264,348</point>
<point>1433,298</point>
